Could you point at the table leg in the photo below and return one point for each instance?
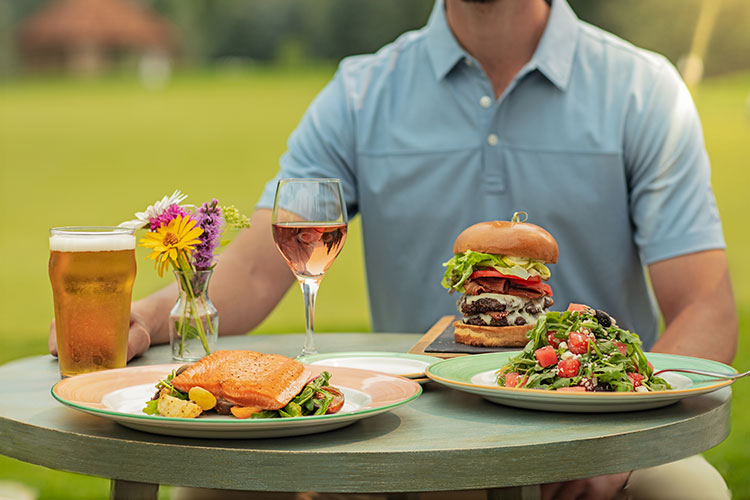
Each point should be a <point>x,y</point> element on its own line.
<point>514,493</point>
<point>128,490</point>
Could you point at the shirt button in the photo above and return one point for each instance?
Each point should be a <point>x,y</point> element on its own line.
<point>485,101</point>
<point>492,140</point>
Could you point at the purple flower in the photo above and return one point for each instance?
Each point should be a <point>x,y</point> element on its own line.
<point>166,216</point>
<point>208,218</point>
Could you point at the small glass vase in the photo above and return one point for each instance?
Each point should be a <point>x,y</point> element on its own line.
<point>193,321</point>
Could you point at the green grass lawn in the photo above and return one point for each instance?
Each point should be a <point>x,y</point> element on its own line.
<point>95,152</point>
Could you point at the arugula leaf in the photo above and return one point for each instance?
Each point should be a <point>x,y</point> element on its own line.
<point>305,403</point>
<point>603,363</point>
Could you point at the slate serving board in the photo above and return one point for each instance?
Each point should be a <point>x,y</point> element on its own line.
<point>439,342</point>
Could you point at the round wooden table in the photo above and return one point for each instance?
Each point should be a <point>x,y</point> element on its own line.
<point>445,440</point>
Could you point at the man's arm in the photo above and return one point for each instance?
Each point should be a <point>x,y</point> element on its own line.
<point>249,279</point>
<point>695,297</point>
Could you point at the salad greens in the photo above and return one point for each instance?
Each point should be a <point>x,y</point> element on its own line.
<point>314,399</point>
<point>151,406</point>
<point>574,349</point>
<point>462,265</point>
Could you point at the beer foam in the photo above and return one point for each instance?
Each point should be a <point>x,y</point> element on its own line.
<point>91,242</point>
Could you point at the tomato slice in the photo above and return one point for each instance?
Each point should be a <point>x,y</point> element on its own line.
<point>338,399</point>
<point>493,273</point>
<point>534,282</point>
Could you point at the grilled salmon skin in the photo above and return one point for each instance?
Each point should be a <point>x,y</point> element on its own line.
<point>247,378</point>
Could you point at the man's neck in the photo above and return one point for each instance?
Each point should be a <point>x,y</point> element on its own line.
<point>501,34</point>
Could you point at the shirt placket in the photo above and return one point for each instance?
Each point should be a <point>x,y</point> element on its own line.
<point>487,107</point>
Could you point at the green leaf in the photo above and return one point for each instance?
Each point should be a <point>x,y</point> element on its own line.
<point>151,407</point>
<point>461,265</point>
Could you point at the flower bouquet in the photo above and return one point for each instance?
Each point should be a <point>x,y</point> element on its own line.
<point>185,237</point>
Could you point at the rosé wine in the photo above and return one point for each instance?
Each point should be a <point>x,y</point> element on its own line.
<point>309,247</point>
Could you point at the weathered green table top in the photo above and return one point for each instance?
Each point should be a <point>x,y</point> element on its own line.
<point>444,440</point>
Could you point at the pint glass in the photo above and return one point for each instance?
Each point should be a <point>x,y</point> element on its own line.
<point>92,270</point>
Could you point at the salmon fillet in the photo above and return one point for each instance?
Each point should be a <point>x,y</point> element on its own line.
<point>247,378</point>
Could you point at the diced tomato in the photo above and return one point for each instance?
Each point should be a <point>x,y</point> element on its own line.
<point>578,307</point>
<point>552,340</point>
<point>635,378</point>
<point>573,388</point>
<point>568,367</point>
<point>578,342</point>
<point>546,356</point>
<point>622,348</point>
<point>493,273</point>
<point>511,379</point>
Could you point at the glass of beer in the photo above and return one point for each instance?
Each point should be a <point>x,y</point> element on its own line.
<point>92,270</point>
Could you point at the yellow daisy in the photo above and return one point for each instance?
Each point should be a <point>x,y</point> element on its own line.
<point>171,242</point>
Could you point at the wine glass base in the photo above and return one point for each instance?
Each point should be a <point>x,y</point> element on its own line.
<point>307,352</point>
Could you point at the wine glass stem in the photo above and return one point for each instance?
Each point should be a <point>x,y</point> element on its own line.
<point>309,290</point>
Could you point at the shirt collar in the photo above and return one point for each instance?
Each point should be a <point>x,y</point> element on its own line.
<point>443,49</point>
<point>553,56</point>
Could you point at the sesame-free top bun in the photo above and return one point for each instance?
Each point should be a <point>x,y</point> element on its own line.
<point>516,239</point>
<point>491,336</point>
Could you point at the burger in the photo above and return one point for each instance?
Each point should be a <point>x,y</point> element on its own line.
<point>499,268</point>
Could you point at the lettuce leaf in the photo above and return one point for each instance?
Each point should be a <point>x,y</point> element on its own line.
<point>461,265</point>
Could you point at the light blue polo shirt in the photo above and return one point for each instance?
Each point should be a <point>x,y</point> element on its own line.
<point>597,140</point>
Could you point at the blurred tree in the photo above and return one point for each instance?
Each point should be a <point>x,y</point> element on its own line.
<point>668,26</point>
<point>299,30</point>
<point>7,45</point>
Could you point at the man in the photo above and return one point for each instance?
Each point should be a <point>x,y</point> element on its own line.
<point>492,108</point>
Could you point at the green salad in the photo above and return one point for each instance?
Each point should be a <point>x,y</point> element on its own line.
<point>582,350</point>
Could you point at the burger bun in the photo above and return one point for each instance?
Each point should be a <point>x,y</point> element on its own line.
<point>517,239</point>
<point>491,336</point>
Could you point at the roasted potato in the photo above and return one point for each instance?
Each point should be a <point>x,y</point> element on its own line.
<point>170,406</point>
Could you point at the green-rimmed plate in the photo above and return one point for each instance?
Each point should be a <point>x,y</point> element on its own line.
<point>120,395</point>
<point>393,363</point>
<point>476,374</point>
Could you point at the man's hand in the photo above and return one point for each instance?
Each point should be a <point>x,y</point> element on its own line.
<point>139,339</point>
<point>591,488</point>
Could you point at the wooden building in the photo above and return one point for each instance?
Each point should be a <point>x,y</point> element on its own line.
<point>91,36</point>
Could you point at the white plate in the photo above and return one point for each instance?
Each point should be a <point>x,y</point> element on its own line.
<point>394,363</point>
<point>121,394</point>
<point>476,374</point>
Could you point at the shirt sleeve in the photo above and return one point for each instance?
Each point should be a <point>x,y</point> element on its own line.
<point>322,145</point>
<point>672,205</point>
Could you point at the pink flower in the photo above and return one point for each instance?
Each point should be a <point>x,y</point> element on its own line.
<point>166,216</point>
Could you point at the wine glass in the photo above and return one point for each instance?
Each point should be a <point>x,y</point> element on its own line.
<point>309,227</point>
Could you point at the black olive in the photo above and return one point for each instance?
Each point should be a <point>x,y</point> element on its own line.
<point>603,318</point>
<point>520,321</point>
<point>181,369</point>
